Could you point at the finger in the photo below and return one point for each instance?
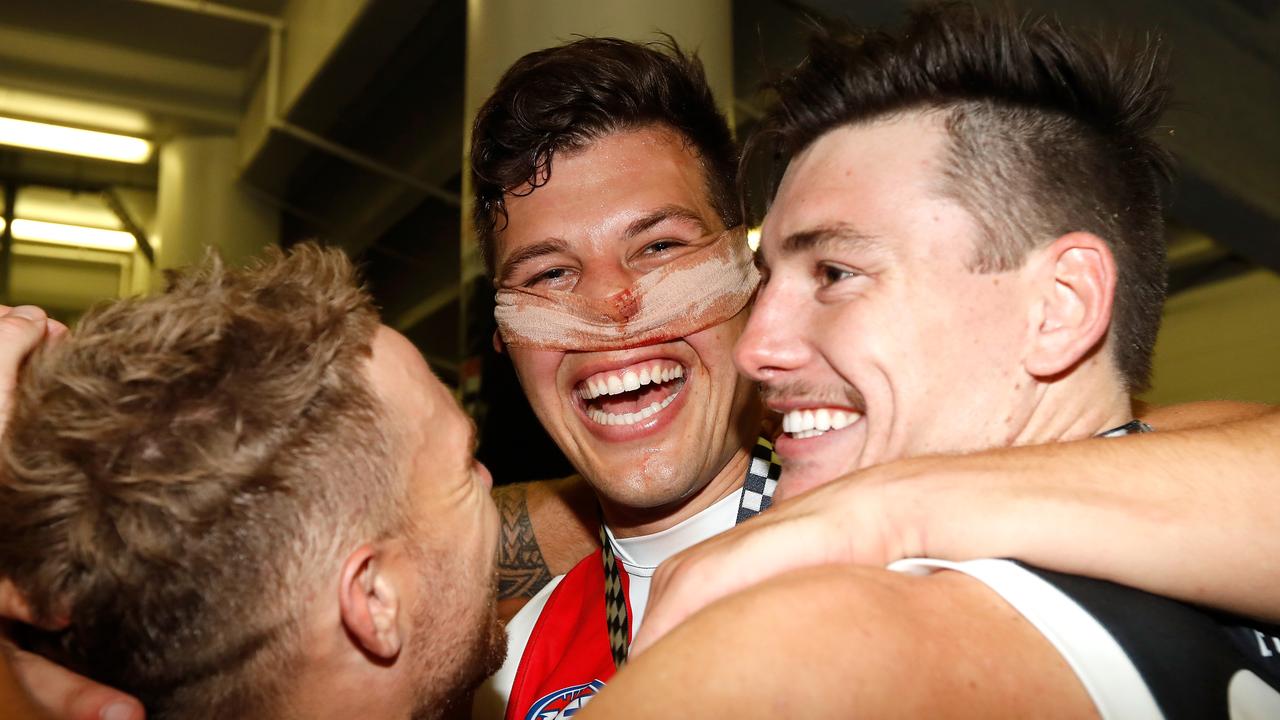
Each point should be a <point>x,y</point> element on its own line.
<point>30,312</point>
<point>13,604</point>
<point>68,696</point>
<point>55,331</point>
<point>13,698</point>
<point>21,329</point>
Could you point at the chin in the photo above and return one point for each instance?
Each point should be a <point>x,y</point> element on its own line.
<point>645,483</point>
<point>798,480</point>
<point>800,476</point>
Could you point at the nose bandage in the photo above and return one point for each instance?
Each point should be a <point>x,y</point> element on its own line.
<point>688,294</point>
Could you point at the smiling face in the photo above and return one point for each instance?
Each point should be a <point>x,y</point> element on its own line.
<point>650,427</point>
<point>871,333</point>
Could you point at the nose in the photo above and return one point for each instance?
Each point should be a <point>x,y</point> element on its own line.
<point>604,279</point>
<point>773,342</point>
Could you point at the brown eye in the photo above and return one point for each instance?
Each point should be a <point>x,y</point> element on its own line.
<point>547,276</point>
<point>662,246</point>
<point>831,274</point>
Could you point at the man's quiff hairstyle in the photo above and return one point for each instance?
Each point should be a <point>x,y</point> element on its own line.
<point>1050,132</point>
<point>183,471</point>
<point>564,98</point>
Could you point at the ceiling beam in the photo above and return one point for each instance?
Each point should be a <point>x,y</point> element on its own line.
<point>425,308</point>
<point>183,89</point>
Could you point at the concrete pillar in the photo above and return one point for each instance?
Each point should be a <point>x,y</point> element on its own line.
<point>501,31</point>
<point>201,204</point>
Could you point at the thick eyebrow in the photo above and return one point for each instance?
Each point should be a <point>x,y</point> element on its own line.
<point>527,253</point>
<point>839,235</point>
<point>637,226</point>
<point>666,212</point>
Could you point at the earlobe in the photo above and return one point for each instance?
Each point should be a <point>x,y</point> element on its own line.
<point>1078,281</point>
<point>370,603</point>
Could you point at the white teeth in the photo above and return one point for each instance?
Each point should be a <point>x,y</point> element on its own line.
<point>628,381</point>
<point>809,423</point>
<point>604,418</point>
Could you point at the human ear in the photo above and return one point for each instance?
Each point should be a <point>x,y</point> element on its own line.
<point>1076,277</point>
<point>370,602</point>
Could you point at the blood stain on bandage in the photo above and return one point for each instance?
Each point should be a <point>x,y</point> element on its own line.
<point>687,295</point>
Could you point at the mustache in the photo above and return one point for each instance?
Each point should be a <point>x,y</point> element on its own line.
<point>841,395</point>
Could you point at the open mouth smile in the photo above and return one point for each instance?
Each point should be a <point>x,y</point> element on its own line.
<point>631,395</point>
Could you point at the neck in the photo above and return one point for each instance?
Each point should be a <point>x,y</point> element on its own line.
<point>633,522</point>
<point>1083,404</point>
<point>336,680</point>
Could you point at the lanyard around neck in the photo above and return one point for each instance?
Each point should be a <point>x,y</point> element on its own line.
<point>755,497</point>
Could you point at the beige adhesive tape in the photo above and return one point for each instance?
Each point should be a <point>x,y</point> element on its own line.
<point>688,294</point>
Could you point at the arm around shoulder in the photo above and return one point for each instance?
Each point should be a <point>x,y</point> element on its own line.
<point>1186,513</point>
<point>868,643</point>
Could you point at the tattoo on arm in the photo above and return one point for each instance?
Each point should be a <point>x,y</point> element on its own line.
<point>522,571</point>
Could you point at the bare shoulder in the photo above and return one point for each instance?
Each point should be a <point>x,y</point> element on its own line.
<point>820,642</point>
<point>547,526</point>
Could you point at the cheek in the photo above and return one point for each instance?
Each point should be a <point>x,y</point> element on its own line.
<point>714,345</point>
<point>988,326</point>
<point>536,370</point>
<point>874,347</point>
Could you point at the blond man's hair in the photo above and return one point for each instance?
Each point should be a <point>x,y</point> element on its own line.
<point>180,471</point>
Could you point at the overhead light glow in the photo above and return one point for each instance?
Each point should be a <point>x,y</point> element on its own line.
<point>73,235</point>
<point>57,205</point>
<point>753,239</point>
<point>59,109</point>
<point>73,141</point>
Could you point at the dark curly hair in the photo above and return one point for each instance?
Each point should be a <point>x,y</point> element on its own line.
<point>563,98</point>
<point>1050,132</point>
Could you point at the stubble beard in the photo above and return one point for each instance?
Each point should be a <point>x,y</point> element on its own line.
<point>449,669</point>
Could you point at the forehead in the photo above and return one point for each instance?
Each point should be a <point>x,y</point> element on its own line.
<point>596,191</point>
<point>875,176</point>
<point>414,398</point>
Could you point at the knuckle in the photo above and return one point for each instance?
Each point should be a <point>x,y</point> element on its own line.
<point>18,332</point>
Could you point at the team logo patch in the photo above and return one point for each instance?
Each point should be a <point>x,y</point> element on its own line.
<point>564,703</point>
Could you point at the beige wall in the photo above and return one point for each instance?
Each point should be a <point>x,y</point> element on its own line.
<point>1221,341</point>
